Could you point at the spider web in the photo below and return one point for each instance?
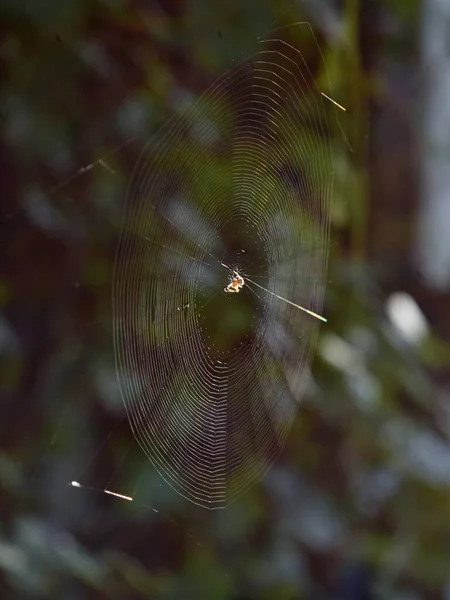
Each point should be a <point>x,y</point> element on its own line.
<point>241,182</point>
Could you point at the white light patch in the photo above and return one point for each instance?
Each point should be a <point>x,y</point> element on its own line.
<point>340,354</point>
<point>407,317</point>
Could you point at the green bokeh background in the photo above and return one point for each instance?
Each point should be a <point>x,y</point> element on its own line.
<point>357,506</point>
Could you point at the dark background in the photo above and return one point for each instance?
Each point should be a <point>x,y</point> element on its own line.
<point>357,506</point>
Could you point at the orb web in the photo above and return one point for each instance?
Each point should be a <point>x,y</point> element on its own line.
<point>240,183</point>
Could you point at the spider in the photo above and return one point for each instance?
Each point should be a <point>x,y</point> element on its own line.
<point>235,284</point>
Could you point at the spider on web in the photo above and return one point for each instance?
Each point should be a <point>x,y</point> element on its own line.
<point>236,283</point>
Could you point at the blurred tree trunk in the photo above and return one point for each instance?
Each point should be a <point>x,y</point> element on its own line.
<point>434,214</point>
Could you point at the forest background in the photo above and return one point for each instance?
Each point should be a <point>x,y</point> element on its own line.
<point>357,506</point>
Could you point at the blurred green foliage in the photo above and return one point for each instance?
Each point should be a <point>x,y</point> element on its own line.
<point>360,492</point>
